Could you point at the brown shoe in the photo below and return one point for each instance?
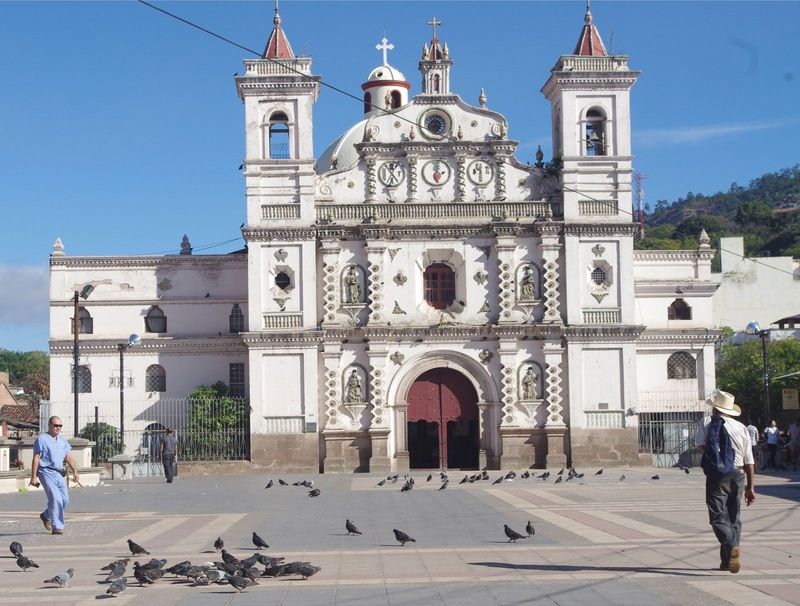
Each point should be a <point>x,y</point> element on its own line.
<point>46,521</point>
<point>58,531</point>
<point>734,565</point>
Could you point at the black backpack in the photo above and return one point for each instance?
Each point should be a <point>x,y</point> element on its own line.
<point>719,454</point>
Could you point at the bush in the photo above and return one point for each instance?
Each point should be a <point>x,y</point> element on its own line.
<point>107,439</point>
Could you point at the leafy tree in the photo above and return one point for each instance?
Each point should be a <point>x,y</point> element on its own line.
<point>107,439</point>
<point>217,427</point>
<point>20,364</point>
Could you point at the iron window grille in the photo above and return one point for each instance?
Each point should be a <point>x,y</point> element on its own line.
<point>155,378</point>
<point>440,285</point>
<point>681,365</point>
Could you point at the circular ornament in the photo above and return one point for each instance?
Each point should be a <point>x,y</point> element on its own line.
<point>480,172</point>
<point>392,173</point>
<point>436,172</point>
<point>435,124</point>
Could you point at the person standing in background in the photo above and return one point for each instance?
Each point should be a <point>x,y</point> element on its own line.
<point>752,431</point>
<point>772,433</point>
<point>169,454</point>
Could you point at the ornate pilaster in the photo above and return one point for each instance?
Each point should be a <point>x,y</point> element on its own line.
<point>500,181</point>
<point>371,182</point>
<point>553,356</point>
<point>379,424</point>
<point>461,179</point>
<point>508,364</point>
<point>550,277</point>
<point>401,456</point>
<point>331,357</point>
<point>330,270</point>
<point>412,179</point>
<point>375,252</point>
<point>506,246</point>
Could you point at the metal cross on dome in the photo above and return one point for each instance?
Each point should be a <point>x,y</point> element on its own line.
<point>385,46</point>
<point>433,23</point>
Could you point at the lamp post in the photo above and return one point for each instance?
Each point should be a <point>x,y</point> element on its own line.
<point>83,293</point>
<point>132,341</point>
<point>753,328</point>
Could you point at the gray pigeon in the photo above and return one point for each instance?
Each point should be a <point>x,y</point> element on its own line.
<point>259,542</point>
<point>512,535</point>
<point>16,549</point>
<point>307,570</point>
<point>267,560</point>
<point>229,558</point>
<point>464,480</point>
<point>559,479</point>
<point>111,565</point>
<point>251,561</point>
<point>351,528</point>
<point>406,487</point>
<point>498,480</point>
<point>282,482</point>
<point>655,477</point>
<point>530,529</point>
<point>381,483</point>
<point>599,472</point>
<point>117,586</point>
<point>238,583</point>
<point>430,477</point>
<point>62,580</point>
<point>269,485</point>
<point>180,568</point>
<point>219,543</point>
<point>685,470</point>
<point>146,575</point>
<point>622,478</point>
<point>444,484</point>
<point>314,493</point>
<point>117,571</point>
<point>137,549</point>
<point>152,564</point>
<point>402,537</point>
<point>25,563</point>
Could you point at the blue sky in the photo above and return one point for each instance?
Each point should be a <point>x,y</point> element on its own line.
<point>121,128</point>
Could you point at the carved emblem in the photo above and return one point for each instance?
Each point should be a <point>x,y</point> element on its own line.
<point>485,355</point>
<point>400,279</point>
<point>485,308</point>
<point>480,277</point>
<point>392,253</point>
<point>397,309</point>
<point>392,173</point>
<point>397,358</point>
<point>598,250</point>
<point>281,301</point>
<point>599,296</point>
<point>436,172</point>
<point>480,172</point>
<point>281,255</point>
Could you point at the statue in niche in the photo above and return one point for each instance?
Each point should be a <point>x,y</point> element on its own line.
<point>352,287</point>
<point>529,384</point>
<point>352,393</point>
<point>526,286</point>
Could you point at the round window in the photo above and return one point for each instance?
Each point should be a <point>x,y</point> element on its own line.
<point>282,280</point>
<point>435,124</point>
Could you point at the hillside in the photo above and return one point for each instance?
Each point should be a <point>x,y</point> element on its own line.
<point>766,213</point>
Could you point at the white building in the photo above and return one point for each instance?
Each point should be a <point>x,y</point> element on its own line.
<point>416,296</point>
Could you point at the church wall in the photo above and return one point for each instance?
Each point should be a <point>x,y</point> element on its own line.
<point>653,311</point>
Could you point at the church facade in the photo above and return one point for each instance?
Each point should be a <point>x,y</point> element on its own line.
<point>416,297</point>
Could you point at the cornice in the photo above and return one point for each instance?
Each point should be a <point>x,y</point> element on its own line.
<point>149,346</point>
<point>187,261</point>
<point>673,337</point>
<point>283,234</point>
<point>675,288</point>
<point>603,334</point>
<point>659,256</point>
<point>604,230</point>
<point>94,302</point>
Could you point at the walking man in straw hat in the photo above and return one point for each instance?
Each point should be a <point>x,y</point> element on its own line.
<point>727,463</point>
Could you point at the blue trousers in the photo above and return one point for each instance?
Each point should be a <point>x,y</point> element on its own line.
<point>724,502</point>
<point>57,496</point>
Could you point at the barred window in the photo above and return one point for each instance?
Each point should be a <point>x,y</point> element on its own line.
<point>85,322</point>
<point>679,310</point>
<point>155,320</point>
<point>279,136</point>
<point>598,275</point>
<point>440,285</point>
<point>84,379</point>
<point>155,378</point>
<point>681,365</point>
<point>236,319</point>
<point>236,379</point>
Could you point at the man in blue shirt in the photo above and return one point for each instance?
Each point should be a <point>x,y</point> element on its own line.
<point>50,451</point>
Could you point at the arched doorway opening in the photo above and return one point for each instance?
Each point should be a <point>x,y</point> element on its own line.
<point>443,428</point>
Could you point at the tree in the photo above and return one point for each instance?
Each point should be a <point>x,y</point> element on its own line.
<point>218,425</point>
<point>107,439</point>
<point>20,364</point>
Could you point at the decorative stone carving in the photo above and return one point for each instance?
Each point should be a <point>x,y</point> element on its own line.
<point>485,355</point>
<point>461,180</point>
<point>485,309</point>
<point>551,292</point>
<point>482,98</point>
<point>375,257</point>
<point>281,255</point>
<point>400,278</point>
<point>480,277</point>
<point>598,250</point>
<point>508,395</point>
<point>397,358</point>
<point>281,301</point>
<point>554,408</point>
<point>527,285</point>
<point>392,173</point>
<point>331,393</point>
<point>501,179</point>
<point>392,253</point>
<point>705,241</point>
<point>486,250</point>
<point>371,184</point>
<point>376,395</point>
<point>599,296</point>
<point>186,247</point>
<point>398,310</point>
<point>58,248</point>
<point>351,287</point>
<point>353,393</point>
<point>436,172</point>
<point>412,176</point>
<point>528,384</point>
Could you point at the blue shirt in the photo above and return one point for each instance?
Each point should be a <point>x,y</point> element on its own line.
<point>52,451</point>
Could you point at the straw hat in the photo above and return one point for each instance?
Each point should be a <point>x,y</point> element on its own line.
<point>724,402</point>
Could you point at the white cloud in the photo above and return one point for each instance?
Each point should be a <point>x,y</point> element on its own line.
<point>682,135</point>
<point>24,294</point>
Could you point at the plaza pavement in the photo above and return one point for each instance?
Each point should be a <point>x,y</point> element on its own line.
<point>598,541</point>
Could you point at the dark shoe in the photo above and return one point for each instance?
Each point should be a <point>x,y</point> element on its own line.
<point>724,566</point>
<point>57,531</point>
<point>46,521</point>
<point>734,564</point>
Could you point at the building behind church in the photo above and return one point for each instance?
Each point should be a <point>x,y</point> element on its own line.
<point>416,297</point>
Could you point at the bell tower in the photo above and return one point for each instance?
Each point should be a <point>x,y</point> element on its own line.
<point>435,65</point>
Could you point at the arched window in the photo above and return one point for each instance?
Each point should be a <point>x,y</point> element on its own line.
<point>440,285</point>
<point>396,99</point>
<point>595,133</point>
<point>367,102</point>
<point>155,378</point>
<point>85,322</point>
<point>436,83</point>
<point>681,365</point>
<point>155,320</point>
<point>679,310</point>
<point>84,379</point>
<point>279,136</point>
<point>236,319</point>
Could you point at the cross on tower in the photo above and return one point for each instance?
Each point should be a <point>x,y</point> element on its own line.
<point>385,46</point>
<point>434,22</point>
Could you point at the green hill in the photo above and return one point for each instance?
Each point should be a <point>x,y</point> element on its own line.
<point>766,213</point>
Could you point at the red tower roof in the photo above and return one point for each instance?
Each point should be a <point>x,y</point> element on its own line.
<point>590,44</point>
<point>278,46</point>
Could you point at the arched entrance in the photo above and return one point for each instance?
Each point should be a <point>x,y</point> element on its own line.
<point>443,428</point>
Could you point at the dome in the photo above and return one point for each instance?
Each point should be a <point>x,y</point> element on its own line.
<point>386,72</point>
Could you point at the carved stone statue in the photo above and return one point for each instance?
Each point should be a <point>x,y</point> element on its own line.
<point>387,100</point>
<point>352,393</point>
<point>529,384</point>
<point>352,287</point>
<point>526,286</point>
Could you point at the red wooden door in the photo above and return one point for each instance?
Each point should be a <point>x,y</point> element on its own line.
<point>438,397</point>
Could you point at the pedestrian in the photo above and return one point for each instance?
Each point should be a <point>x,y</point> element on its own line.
<point>169,453</point>
<point>772,434</point>
<point>50,451</point>
<point>794,442</point>
<point>727,463</point>
<point>752,431</point>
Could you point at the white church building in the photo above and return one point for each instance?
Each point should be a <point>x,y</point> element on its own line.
<point>416,297</point>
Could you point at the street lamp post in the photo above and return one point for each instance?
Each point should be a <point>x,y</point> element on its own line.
<point>753,328</point>
<point>83,293</point>
<point>132,341</point>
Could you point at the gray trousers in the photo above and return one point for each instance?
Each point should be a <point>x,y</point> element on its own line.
<point>169,466</point>
<point>724,502</point>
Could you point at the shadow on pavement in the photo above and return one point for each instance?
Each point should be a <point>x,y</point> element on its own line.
<point>686,572</point>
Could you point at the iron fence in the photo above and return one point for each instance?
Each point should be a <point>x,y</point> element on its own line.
<point>667,425</point>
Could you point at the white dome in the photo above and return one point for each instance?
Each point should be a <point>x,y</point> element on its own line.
<point>386,72</point>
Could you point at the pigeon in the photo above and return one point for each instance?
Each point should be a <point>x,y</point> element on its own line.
<point>238,583</point>
<point>430,477</point>
<point>16,549</point>
<point>545,475</point>
<point>194,572</point>
<point>314,493</point>
<point>307,570</point>
<point>560,473</point>
<point>381,483</point>
<point>137,549</point>
<point>219,543</point>
<point>117,586</point>
<point>62,580</point>
<point>146,575</point>
<point>411,480</point>
<point>269,485</point>
<point>498,480</point>
<point>444,484</point>
<point>464,481</point>
<point>402,537</point>
<point>228,568</point>
<point>251,572</point>
<point>570,475</point>
<point>259,542</point>
<point>180,569</point>
<point>511,475</point>
<point>251,561</point>
<point>622,478</point>
<point>406,487</point>
<point>512,535</point>
<point>443,475</point>
<point>655,477</point>
<point>267,560</point>
<point>472,478</point>
<point>117,572</point>
<point>579,475</point>
<point>152,564</point>
<point>351,528</point>
<point>685,470</point>
<point>230,559</point>
<point>299,483</point>
<point>484,475</point>
<point>25,563</point>
<point>282,483</point>
<point>599,472</point>
<point>282,570</point>
<point>530,529</point>
<point>215,576</point>
<point>559,479</point>
<point>525,475</point>
<point>111,566</point>
<point>394,478</point>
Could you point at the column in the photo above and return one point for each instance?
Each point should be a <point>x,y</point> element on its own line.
<point>401,456</point>
<point>379,422</point>
<point>555,428</point>
<point>506,247</point>
<point>330,291</point>
<point>551,249</point>
<point>375,252</point>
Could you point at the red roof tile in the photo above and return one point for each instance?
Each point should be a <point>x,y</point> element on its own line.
<point>590,44</point>
<point>278,46</point>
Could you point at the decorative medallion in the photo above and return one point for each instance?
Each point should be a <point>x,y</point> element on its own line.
<point>436,172</point>
<point>485,355</point>
<point>350,185</point>
<point>281,303</point>
<point>281,255</point>
<point>485,308</point>
<point>598,250</point>
<point>599,296</point>
<point>397,124</point>
<point>397,309</point>
<point>392,173</point>
<point>400,279</point>
<point>435,124</point>
<point>480,276</point>
<point>392,253</point>
<point>397,358</point>
<point>480,172</point>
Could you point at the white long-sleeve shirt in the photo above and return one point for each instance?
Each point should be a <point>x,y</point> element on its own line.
<point>739,436</point>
